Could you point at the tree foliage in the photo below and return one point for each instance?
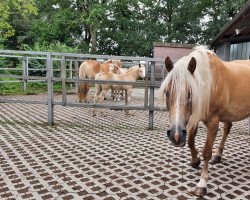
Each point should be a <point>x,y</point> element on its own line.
<point>10,9</point>
<point>117,27</point>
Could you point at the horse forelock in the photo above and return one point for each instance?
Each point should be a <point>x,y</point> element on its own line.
<point>182,82</point>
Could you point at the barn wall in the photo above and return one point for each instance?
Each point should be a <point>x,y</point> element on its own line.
<point>237,51</point>
<point>240,51</point>
<point>174,51</point>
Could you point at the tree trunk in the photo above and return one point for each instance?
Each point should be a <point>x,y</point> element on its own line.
<point>93,32</point>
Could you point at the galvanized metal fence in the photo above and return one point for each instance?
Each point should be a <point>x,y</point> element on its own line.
<point>70,62</point>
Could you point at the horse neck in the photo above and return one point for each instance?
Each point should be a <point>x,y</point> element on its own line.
<point>104,67</point>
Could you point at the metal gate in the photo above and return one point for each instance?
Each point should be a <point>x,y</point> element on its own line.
<point>63,68</point>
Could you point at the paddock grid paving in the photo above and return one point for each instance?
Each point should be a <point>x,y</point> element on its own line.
<point>111,157</point>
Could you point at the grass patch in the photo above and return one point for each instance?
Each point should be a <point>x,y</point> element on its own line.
<point>16,88</point>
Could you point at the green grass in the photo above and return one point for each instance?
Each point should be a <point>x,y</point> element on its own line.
<point>32,88</point>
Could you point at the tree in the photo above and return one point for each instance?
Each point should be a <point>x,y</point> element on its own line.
<point>117,27</point>
<point>10,8</point>
<point>218,13</point>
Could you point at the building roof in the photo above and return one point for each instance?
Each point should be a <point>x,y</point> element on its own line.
<point>237,30</point>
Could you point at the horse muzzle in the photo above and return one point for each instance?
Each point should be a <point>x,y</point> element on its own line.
<point>177,136</point>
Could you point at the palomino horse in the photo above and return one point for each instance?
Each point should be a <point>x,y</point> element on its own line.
<point>131,75</point>
<point>88,69</point>
<point>117,94</point>
<point>201,87</point>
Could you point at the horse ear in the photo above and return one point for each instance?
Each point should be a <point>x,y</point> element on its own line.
<point>116,66</point>
<point>192,65</point>
<point>109,61</point>
<point>168,64</point>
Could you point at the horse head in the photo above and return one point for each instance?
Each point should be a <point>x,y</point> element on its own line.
<point>118,63</point>
<point>179,99</point>
<point>114,68</point>
<point>141,71</point>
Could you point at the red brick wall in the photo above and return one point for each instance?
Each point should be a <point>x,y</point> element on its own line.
<point>174,51</point>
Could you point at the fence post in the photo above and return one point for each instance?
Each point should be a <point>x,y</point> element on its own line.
<point>50,98</point>
<point>146,85</point>
<point>25,72</point>
<point>76,73</point>
<point>151,96</point>
<point>63,77</point>
<point>70,72</point>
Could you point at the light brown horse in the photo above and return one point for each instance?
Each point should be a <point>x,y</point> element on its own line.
<point>87,70</point>
<point>201,87</point>
<point>131,75</point>
<point>117,94</point>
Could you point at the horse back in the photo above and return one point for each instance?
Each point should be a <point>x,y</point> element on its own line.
<point>89,68</point>
<point>239,76</point>
<point>233,90</point>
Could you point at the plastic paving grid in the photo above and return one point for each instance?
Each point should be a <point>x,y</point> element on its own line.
<point>111,157</point>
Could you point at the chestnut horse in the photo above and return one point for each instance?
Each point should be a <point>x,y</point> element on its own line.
<point>201,87</point>
<point>87,70</point>
<point>131,75</point>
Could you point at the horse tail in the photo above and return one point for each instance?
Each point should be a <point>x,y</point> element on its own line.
<point>83,87</point>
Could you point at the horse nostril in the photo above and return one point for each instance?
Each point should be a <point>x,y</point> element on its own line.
<point>184,131</point>
<point>168,132</point>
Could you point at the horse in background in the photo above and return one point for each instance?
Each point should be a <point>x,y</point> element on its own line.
<point>117,94</point>
<point>131,75</point>
<point>202,87</point>
<point>88,69</point>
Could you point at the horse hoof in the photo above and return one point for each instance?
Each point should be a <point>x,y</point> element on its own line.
<point>199,192</point>
<point>216,159</point>
<point>196,164</point>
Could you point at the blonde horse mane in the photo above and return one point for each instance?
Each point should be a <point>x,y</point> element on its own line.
<point>199,84</point>
<point>133,68</point>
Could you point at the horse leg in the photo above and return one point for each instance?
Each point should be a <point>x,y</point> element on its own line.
<point>101,99</point>
<point>217,157</point>
<point>96,96</point>
<point>112,94</point>
<point>94,109</point>
<point>83,90</point>
<point>195,161</point>
<point>212,126</point>
<point>120,95</point>
<point>126,103</point>
<point>85,97</point>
